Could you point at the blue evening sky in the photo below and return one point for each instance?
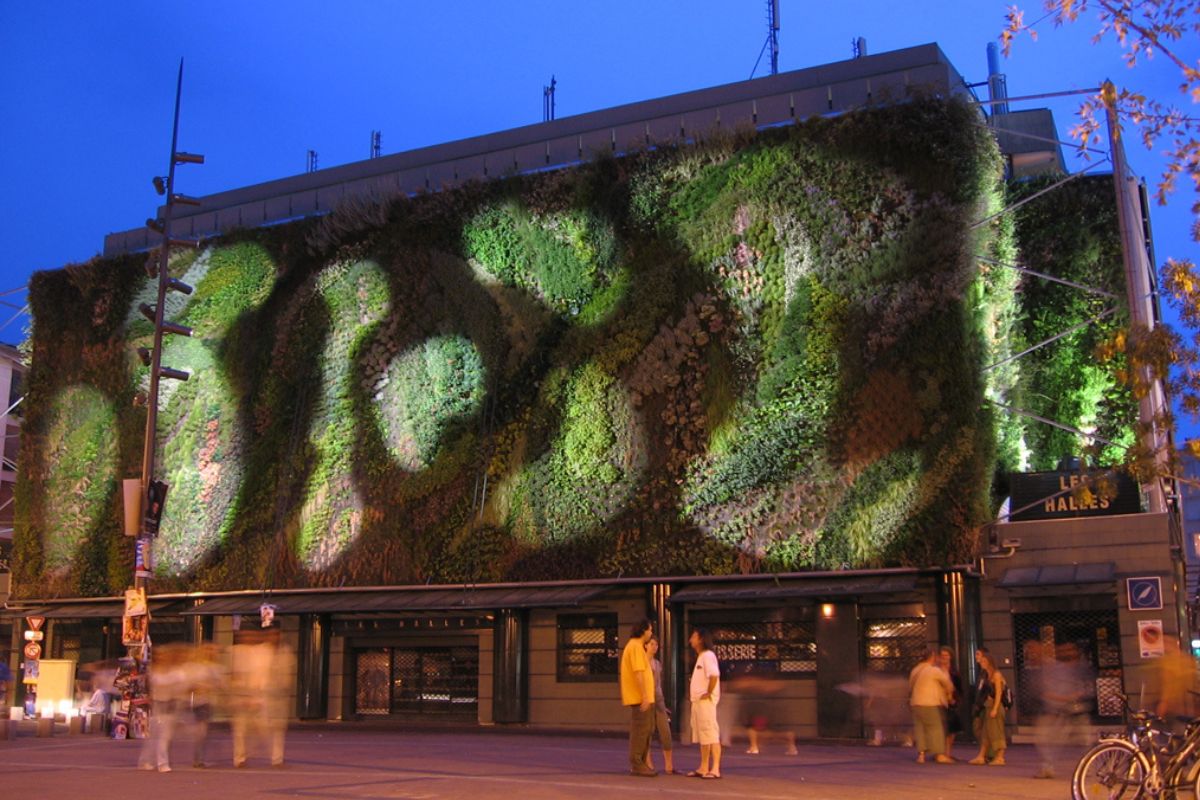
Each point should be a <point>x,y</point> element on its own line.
<point>86,87</point>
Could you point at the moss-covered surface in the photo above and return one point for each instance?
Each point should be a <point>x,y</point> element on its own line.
<point>758,353</point>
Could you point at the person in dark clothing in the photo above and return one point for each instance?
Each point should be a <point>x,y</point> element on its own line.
<point>954,724</point>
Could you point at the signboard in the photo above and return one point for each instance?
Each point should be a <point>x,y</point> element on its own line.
<point>135,602</point>
<point>33,651</point>
<point>1145,594</point>
<point>1052,496</point>
<point>34,636</point>
<point>35,623</point>
<point>1150,638</point>
<point>134,629</point>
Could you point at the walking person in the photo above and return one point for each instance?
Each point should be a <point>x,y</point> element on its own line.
<point>929,694</point>
<point>953,709</point>
<point>1062,702</point>
<point>989,713</point>
<point>637,694</point>
<point>662,717</point>
<point>705,694</point>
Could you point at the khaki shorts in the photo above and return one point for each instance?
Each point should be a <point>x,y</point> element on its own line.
<point>705,729</point>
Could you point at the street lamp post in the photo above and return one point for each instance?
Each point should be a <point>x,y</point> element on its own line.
<point>153,492</point>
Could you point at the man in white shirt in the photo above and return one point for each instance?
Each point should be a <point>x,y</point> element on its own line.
<point>705,693</point>
<point>930,692</point>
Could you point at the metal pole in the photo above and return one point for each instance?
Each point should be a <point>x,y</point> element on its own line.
<point>1138,293</point>
<point>141,577</point>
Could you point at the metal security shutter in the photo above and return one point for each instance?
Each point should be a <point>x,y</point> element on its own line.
<point>1094,634</point>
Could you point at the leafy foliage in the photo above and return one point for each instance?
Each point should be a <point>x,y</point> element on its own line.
<point>756,353</point>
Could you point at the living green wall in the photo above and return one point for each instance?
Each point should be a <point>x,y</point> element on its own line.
<point>755,353</point>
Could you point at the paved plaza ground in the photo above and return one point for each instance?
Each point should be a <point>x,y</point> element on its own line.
<point>353,763</point>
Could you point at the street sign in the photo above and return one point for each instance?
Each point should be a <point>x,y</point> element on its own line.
<point>34,636</point>
<point>35,623</point>
<point>33,651</point>
<point>1145,594</point>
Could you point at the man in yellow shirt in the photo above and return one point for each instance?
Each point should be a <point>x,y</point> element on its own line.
<point>637,693</point>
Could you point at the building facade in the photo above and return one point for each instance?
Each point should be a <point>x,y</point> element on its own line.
<point>832,646</point>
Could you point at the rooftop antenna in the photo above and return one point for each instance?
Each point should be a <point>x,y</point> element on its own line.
<point>772,42</point>
<point>548,100</point>
<point>312,161</point>
<point>859,46</point>
<point>376,143</point>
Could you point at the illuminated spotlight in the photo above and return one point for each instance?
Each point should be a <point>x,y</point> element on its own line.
<point>827,610</point>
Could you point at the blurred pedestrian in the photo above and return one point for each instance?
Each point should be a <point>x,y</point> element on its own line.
<point>705,693</point>
<point>761,719</point>
<point>953,709</point>
<point>989,713</point>
<point>1176,681</point>
<point>637,694</point>
<point>1062,703</point>
<point>6,677</point>
<point>662,716</point>
<point>169,695</point>
<point>929,692</point>
<point>261,681</point>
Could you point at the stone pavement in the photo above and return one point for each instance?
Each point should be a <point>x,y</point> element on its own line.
<point>354,763</point>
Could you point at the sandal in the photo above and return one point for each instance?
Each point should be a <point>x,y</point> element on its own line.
<point>695,774</point>
<point>711,776</point>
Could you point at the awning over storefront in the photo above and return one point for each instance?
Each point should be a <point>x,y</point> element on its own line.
<point>1059,575</point>
<point>747,591</point>
<point>405,599</point>
<point>100,608</point>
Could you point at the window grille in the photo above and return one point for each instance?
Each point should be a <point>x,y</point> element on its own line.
<point>589,648</point>
<point>744,642</point>
<point>1094,636</point>
<point>894,646</point>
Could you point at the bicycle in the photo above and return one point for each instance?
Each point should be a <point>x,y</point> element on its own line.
<point>1146,760</point>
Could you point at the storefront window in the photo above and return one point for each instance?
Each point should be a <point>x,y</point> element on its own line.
<point>894,646</point>
<point>588,647</point>
<point>747,643</point>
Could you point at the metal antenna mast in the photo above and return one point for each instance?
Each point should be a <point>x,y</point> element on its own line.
<point>548,100</point>
<point>773,34</point>
<point>772,42</point>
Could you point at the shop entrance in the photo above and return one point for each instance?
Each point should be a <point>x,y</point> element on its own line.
<point>1090,635</point>
<point>417,680</point>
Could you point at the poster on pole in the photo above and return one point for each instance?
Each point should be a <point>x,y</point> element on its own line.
<point>134,629</point>
<point>135,602</point>
<point>1150,638</point>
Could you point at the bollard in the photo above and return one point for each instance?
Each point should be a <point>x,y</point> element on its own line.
<point>95,724</point>
<point>45,727</point>
<point>74,725</point>
<point>5,723</point>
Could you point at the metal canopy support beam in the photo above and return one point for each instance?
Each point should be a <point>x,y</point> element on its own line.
<point>1014,206</point>
<point>1044,276</point>
<point>1052,339</point>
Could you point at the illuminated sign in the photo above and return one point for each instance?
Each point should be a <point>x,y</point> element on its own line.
<point>1057,495</point>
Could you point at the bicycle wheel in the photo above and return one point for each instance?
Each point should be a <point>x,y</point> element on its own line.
<point>1110,771</point>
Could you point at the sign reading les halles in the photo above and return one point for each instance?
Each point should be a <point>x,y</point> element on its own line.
<point>1052,495</point>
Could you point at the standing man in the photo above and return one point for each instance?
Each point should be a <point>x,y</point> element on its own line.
<point>705,693</point>
<point>930,691</point>
<point>637,693</point>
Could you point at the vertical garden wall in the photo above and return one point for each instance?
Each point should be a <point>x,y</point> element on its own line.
<point>754,353</point>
